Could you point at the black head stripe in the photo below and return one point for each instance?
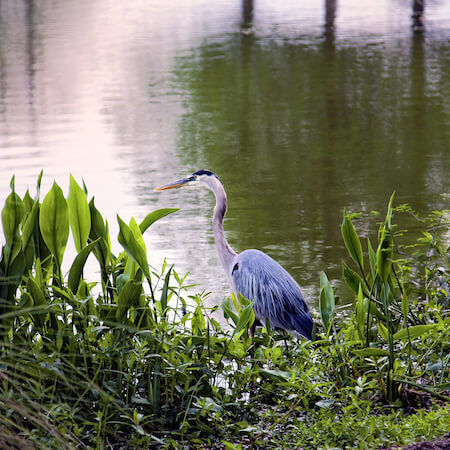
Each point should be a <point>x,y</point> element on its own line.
<point>205,172</point>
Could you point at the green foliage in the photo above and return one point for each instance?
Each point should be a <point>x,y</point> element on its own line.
<point>132,359</point>
<point>54,222</point>
<point>326,302</point>
<point>392,311</point>
<point>79,215</point>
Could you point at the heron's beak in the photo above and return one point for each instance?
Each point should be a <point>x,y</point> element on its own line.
<point>176,184</point>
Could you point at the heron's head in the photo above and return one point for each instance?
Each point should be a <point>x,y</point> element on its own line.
<point>201,177</point>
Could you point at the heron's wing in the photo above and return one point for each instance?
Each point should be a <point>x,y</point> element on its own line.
<point>277,295</point>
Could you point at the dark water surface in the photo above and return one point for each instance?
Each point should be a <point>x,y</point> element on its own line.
<point>299,114</point>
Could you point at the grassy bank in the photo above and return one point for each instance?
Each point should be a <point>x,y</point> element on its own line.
<point>128,360</point>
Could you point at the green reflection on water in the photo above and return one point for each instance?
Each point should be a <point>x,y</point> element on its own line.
<point>298,132</point>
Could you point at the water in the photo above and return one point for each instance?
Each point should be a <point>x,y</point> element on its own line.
<point>299,119</point>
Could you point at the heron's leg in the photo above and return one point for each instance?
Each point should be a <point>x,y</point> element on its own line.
<point>252,329</point>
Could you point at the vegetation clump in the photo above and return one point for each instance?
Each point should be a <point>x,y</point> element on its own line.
<point>132,360</point>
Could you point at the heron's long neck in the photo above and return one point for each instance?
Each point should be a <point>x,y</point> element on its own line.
<point>226,253</point>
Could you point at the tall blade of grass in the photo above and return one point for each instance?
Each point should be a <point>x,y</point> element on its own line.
<point>327,302</point>
<point>164,293</point>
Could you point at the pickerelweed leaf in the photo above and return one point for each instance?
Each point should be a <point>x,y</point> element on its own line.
<point>12,215</point>
<point>228,310</point>
<point>133,247</point>
<point>385,254</point>
<point>99,230</point>
<point>154,216</point>
<point>129,296</point>
<point>79,214</point>
<point>351,240</point>
<point>352,279</point>
<point>54,222</point>
<point>372,259</point>
<point>198,321</point>
<point>382,329</point>
<point>76,270</point>
<point>246,318</point>
<point>28,202</point>
<point>30,224</point>
<point>39,300</point>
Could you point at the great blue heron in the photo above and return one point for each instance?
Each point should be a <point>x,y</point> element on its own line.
<point>278,297</point>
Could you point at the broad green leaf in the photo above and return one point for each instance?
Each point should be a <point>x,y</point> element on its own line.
<point>99,230</point>
<point>76,270</point>
<point>242,300</point>
<point>389,211</point>
<point>129,296</point>
<point>369,351</point>
<point>54,222</point>
<point>154,216</point>
<point>228,310</point>
<point>372,259</point>
<point>79,214</point>
<point>39,300</point>
<point>16,269</point>
<point>385,254</point>
<point>352,279</point>
<point>137,233</point>
<point>83,290</point>
<point>198,321</point>
<point>12,215</point>
<point>246,318</point>
<point>28,202</point>
<point>327,302</point>
<point>383,331</point>
<point>351,240</point>
<point>133,246</point>
<point>30,224</point>
<point>415,331</point>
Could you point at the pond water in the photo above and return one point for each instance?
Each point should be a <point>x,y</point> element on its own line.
<point>301,108</point>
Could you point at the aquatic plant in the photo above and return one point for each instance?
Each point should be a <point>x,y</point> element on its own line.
<point>127,357</point>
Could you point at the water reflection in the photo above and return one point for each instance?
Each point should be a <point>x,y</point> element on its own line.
<point>310,130</point>
<point>302,108</point>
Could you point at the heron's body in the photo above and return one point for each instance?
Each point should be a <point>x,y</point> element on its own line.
<point>278,296</point>
<point>252,273</point>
